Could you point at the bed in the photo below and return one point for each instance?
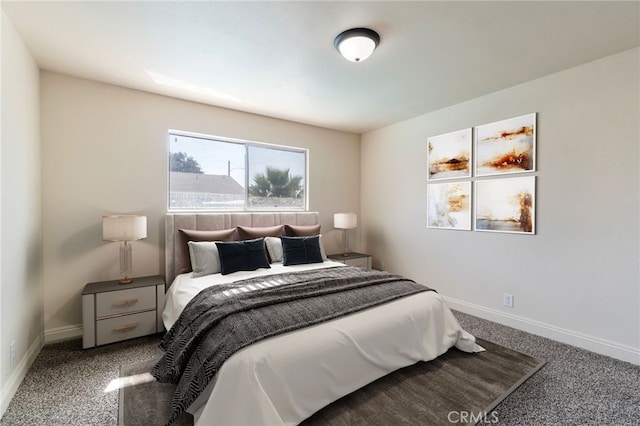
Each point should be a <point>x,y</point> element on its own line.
<point>289,375</point>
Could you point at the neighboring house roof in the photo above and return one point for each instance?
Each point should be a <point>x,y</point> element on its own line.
<point>198,182</point>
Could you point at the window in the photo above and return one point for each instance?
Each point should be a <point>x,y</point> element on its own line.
<point>209,173</point>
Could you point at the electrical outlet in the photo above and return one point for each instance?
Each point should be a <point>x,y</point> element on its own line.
<point>12,353</point>
<point>508,300</point>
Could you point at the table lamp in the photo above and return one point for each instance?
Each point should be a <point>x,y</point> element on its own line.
<point>345,221</point>
<point>124,228</point>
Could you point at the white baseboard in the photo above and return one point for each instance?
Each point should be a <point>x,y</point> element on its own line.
<point>17,375</point>
<point>19,372</point>
<point>590,343</point>
<point>59,334</point>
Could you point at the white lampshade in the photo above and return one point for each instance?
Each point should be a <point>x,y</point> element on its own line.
<point>124,227</point>
<point>345,220</point>
<point>357,44</point>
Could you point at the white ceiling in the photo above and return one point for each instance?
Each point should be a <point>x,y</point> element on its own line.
<point>278,59</point>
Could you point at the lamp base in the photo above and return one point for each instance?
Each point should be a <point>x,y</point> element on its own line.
<point>125,263</point>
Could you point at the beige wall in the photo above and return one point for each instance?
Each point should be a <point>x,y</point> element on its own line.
<point>104,150</point>
<point>21,293</point>
<point>576,280</point>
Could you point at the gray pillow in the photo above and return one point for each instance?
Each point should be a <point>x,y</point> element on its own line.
<point>205,259</point>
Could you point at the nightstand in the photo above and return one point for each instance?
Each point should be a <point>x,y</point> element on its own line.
<point>112,312</point>
<point>353,259</point>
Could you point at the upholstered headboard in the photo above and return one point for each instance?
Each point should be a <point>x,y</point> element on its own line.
<point>219,221</point>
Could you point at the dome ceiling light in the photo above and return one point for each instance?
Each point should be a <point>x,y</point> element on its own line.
<point>357,44</point>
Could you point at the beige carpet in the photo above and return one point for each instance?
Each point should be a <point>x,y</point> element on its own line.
<point>455,388</point>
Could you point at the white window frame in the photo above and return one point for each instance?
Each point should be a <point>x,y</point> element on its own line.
<point>247,178</point>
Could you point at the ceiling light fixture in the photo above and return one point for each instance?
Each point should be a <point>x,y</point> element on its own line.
<point>357,44</point>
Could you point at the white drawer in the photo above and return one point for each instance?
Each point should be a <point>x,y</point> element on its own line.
<point>124,301</point>
<point>125,327</point>
<point>362,262</point>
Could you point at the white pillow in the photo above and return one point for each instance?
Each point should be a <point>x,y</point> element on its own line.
<point>205,259</point>
<point>274,248</point>
<point>324,254</point>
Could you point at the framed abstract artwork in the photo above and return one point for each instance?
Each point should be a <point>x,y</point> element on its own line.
<point>507,146</point>
<point>449,155</point>
<point>505,205</point>
<point>449,205</point>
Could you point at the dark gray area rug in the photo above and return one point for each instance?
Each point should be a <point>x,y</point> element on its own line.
<point>455,388</point>
<point>147,402</point>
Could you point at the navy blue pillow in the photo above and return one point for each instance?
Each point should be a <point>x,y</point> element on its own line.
<point>300,250</point>
<point>247,255</point>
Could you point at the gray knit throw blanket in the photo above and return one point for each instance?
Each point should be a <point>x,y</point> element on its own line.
<point>223,319</point>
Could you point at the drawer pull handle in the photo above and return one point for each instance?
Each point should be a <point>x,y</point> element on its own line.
<point>126,327</point>
<point>125,302</point>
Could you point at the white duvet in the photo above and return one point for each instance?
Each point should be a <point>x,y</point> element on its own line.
<point>285,379</point>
